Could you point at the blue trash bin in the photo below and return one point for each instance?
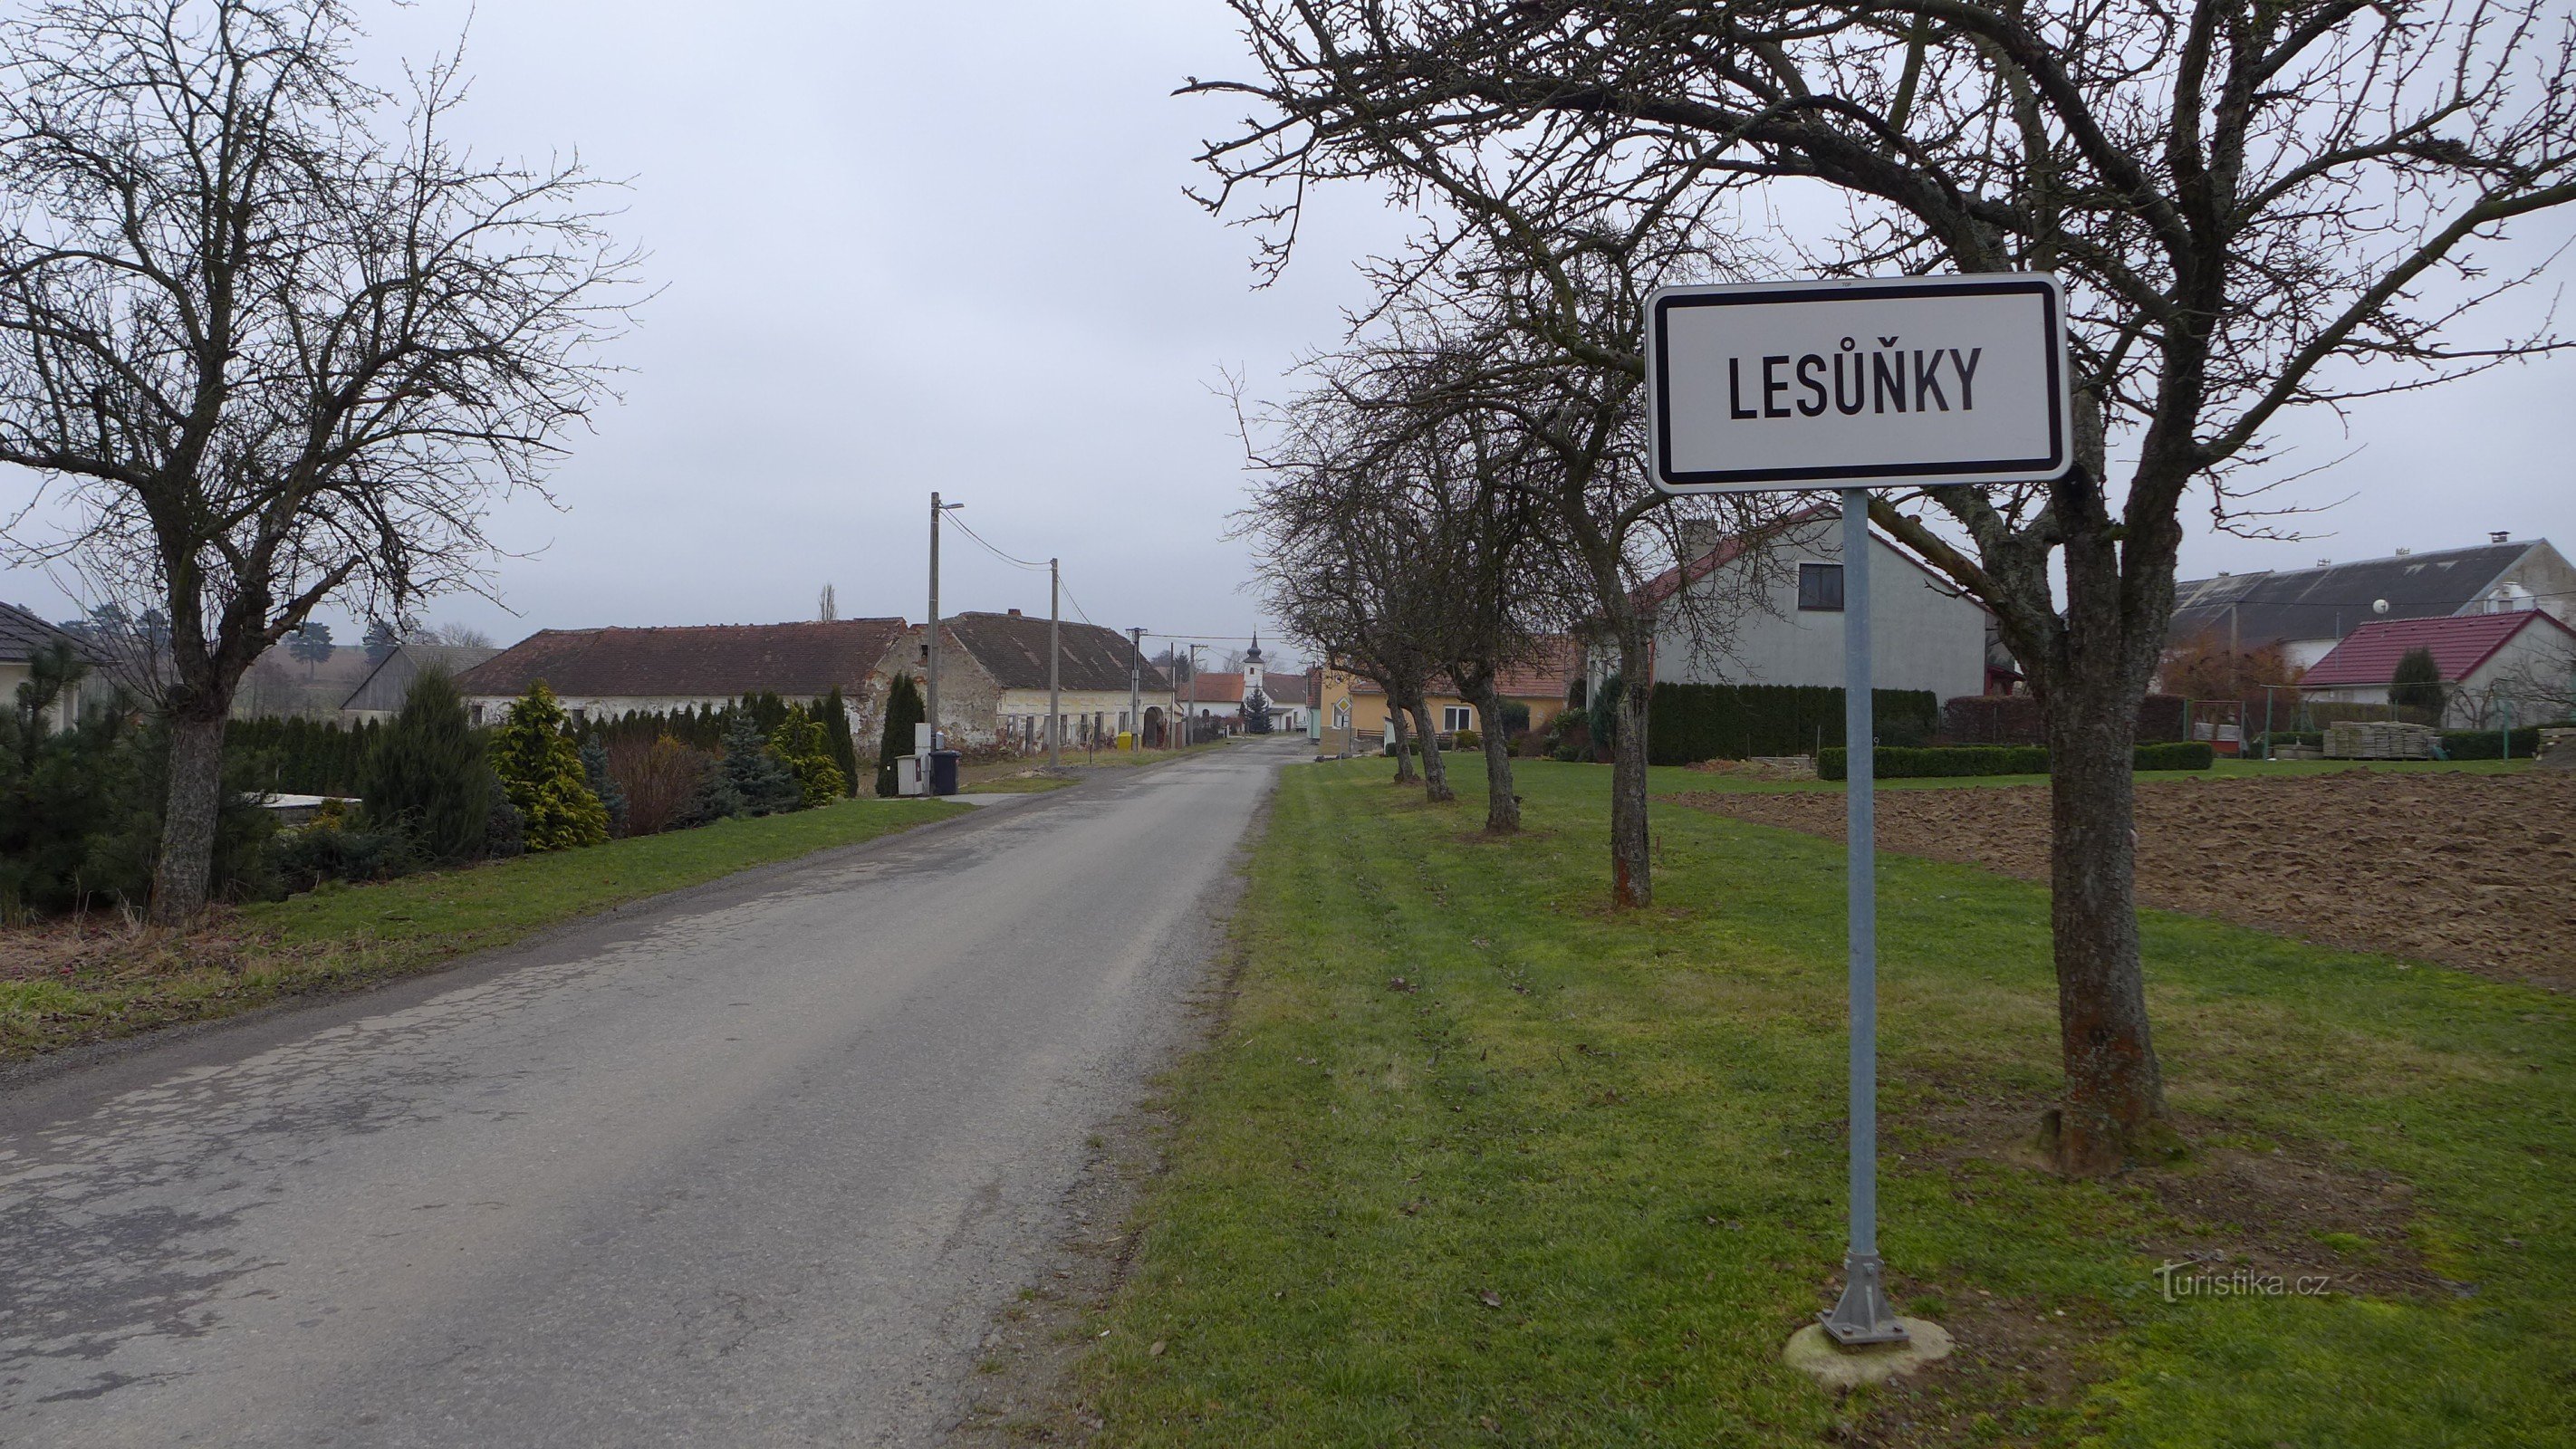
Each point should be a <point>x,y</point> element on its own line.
<point>943,772</point>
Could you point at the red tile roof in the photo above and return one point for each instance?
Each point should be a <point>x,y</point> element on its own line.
<point>1557,663</point>
<point>2369,654</point>
<point>700,661</point>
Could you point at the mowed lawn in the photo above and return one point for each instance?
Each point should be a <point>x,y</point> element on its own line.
<point>1475,1161</point>
<point>62,991</point>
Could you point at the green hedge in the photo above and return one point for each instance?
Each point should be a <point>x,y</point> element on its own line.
<point>2489,744</point>
<point>1687,723</point>
<point>1902,763</point>
<point>300,756</point>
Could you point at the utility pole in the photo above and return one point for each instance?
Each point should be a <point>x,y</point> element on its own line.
<point>1194,683</point>
<point>1055,656</point>
<point>1136,686</point>
<point>930,671</point>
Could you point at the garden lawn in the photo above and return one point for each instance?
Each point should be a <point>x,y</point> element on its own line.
<point>61,990</point>
<point>1476,1161</point>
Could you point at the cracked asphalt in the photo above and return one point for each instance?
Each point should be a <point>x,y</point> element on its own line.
<point>753,1164</point>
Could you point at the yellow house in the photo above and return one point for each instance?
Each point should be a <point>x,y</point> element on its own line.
<point>1353,710</point>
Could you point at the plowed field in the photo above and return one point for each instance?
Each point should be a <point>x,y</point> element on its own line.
<point>2473,871</point>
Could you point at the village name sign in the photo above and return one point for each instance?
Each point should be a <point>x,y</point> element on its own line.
<point>1890,382</point>
<point>1913,380</point>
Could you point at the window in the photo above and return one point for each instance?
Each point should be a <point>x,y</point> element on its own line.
<point>1456,717</point>
<point>1820,587</point>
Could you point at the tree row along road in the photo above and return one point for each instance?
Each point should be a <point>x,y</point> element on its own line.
<point>754,1164</point>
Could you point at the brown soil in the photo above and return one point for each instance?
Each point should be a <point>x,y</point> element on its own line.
<point>2248,1207</point>
<point>2473,871</point>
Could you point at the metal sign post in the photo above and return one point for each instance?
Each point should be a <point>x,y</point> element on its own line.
<point>1853,385</point>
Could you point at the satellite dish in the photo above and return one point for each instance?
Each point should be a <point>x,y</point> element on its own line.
<point>2379,606</point>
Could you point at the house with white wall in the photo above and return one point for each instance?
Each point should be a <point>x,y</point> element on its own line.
<point>2306,612</point>
<point>611,672</point>
<point>23,637</point>
<point>2507,668</point>
<point>993,682</point>
<point>1768,609</point>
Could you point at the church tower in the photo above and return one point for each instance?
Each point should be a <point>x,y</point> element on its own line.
<point>1252,671</point>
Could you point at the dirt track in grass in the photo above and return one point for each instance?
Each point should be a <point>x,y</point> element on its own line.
<point>2473,871</point>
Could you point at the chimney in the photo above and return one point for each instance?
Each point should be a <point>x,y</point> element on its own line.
<point>1015,613</point>
<point>2501,535</point>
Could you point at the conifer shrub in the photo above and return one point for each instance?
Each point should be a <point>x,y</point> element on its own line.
<point>2416,686</point>
<point>834,715</point>
<point>540,768</point>
<point>426,778</point>
<point>799,742</point>
<point>748,780</point>
<point>904,711</point>
<point>594,773</point>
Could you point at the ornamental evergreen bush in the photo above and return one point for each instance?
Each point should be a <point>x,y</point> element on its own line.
<point>799,742</point>
<point>904,711</point>
<point>594,772</point>
<point>2417,685</point>
<point>834,715</point>
<point>540,768</point>
<point>426,779</point>
<point>749,780</point>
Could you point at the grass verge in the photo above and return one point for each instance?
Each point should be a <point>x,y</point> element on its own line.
<point>69,983</point>
<point>1477,1162</point>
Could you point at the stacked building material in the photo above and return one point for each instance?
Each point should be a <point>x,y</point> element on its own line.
<point>2379,740</point>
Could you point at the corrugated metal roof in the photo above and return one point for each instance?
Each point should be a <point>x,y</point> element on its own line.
<point>2459,645</point>
<point>2326,603</point>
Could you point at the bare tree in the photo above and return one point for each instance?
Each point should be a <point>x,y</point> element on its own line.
<point>2256,207</point>
<point>268,336</point>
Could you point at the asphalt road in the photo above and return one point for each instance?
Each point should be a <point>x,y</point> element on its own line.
<point>753,1164</point>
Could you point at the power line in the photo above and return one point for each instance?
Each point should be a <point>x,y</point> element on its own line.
<point>960,524</point>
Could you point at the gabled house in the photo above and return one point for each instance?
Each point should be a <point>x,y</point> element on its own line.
<point>993,682</point>
<point>1774,607</point>
<point>2516,667</point>
<point>610,672</point>
<point>1353,710</point>
<point>23,636</point>
<point>2307,611</point>
<point>381,694</point>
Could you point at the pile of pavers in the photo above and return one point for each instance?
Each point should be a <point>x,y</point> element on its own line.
<point>2380,740</point>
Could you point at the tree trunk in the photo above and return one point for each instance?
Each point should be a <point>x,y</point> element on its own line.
<point>1632,881</point>
<point>1404,772</point>
<point>185,870</point>
<point>1435,771</point>
<point>2114,1111</point>
<point>1502,807</point>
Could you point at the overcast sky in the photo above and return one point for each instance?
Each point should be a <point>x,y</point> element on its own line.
<point>906,247</point>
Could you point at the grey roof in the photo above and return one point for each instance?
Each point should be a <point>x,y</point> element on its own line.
<point>1012,649</point>
<point>389,683</point>
<point>23,636</point>
<point>2330,602</point>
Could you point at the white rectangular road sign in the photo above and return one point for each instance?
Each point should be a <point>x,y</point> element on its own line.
<point>1878,381</point>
